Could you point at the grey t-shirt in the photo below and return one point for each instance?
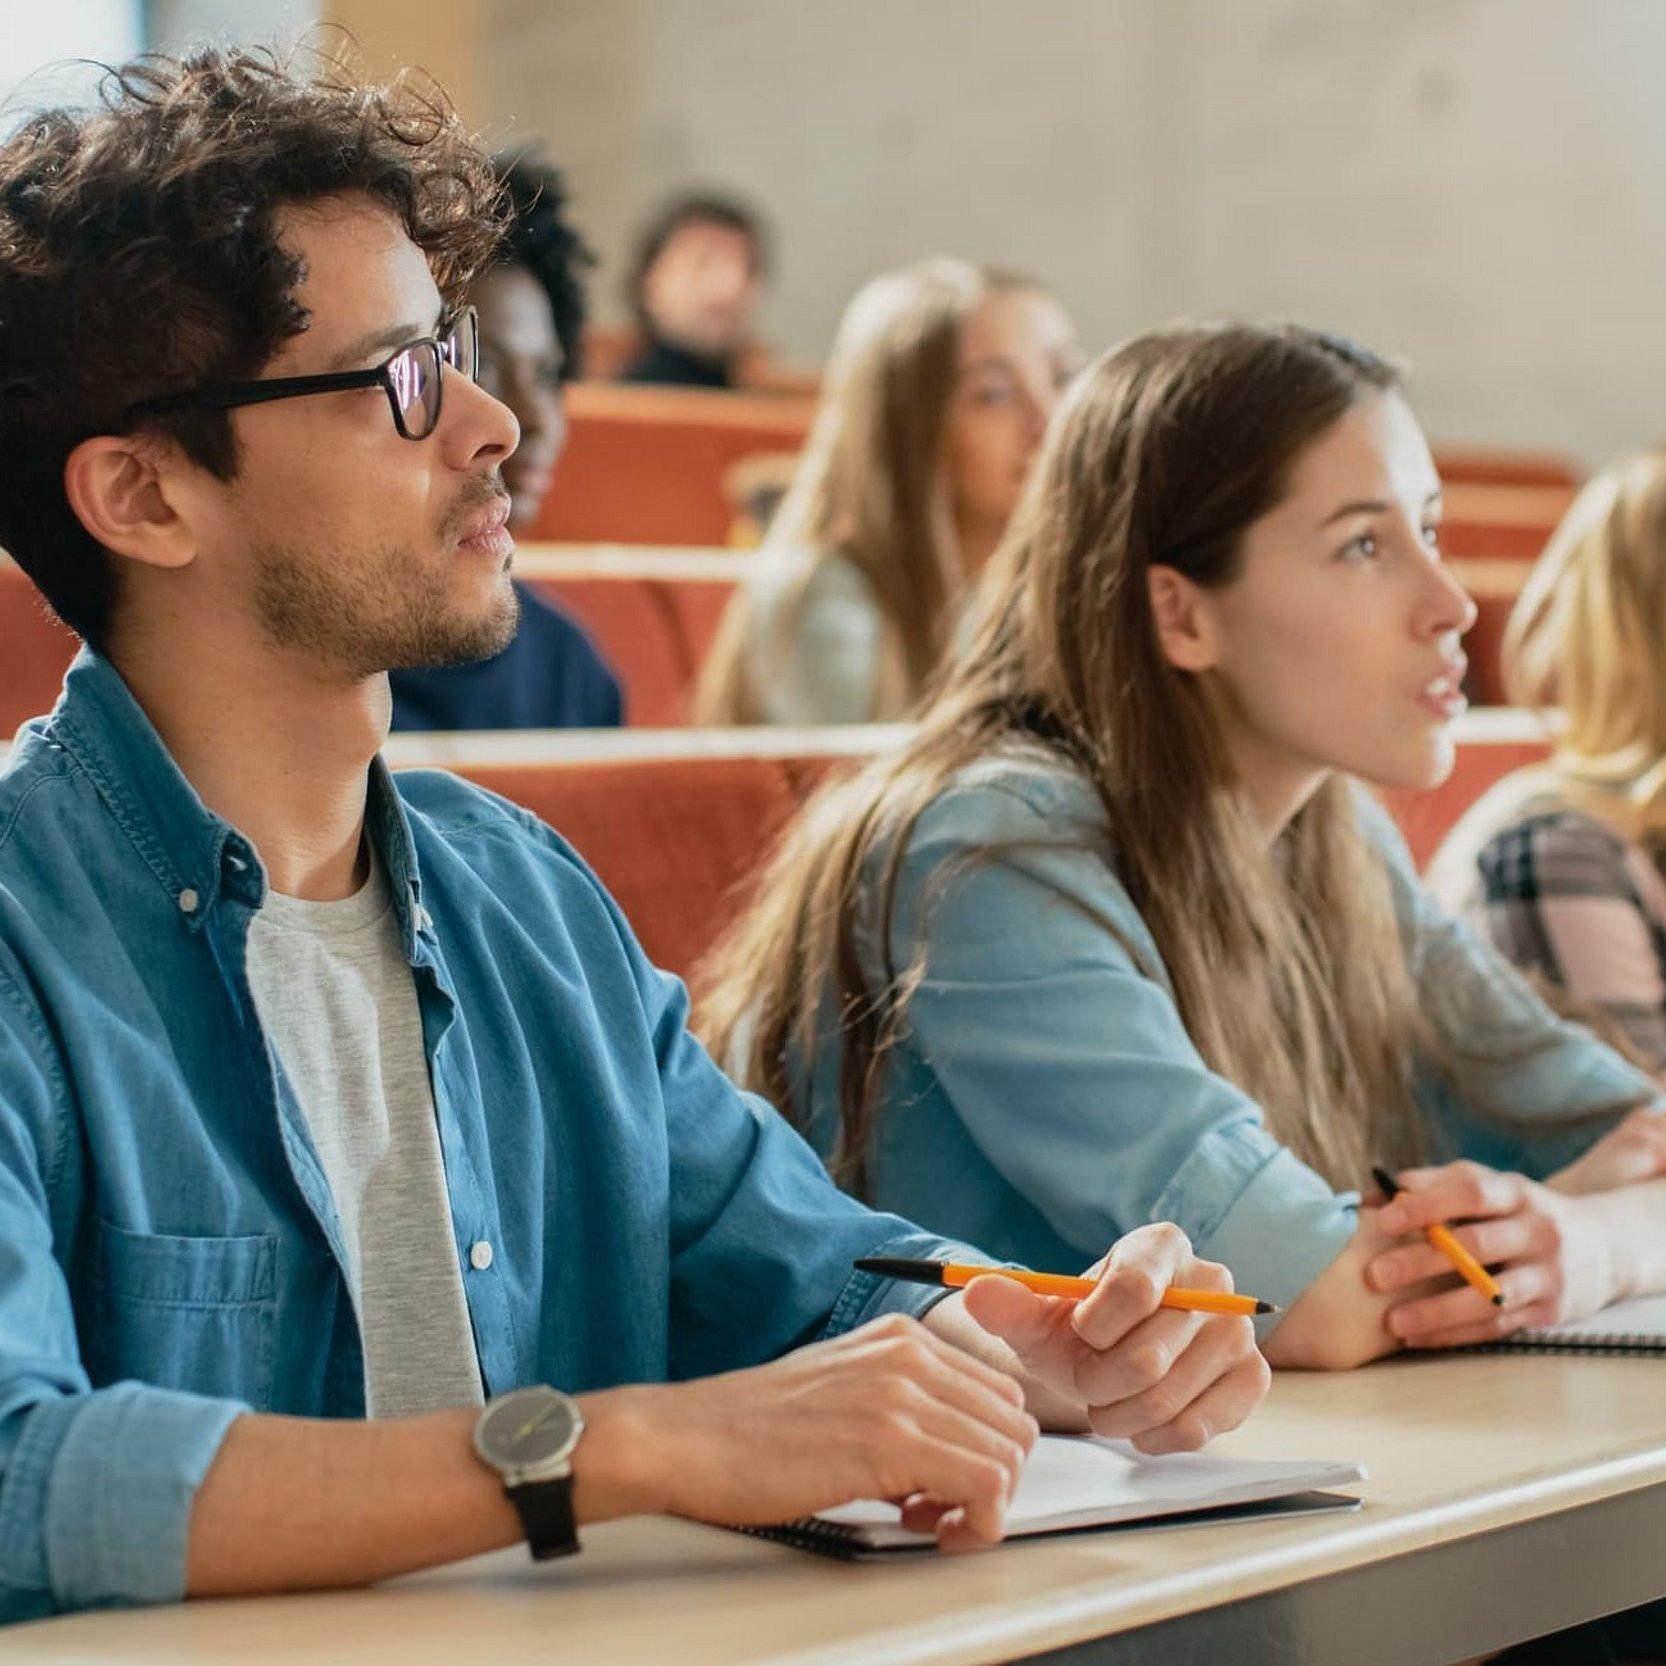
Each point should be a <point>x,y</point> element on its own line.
<point>338,1001</point>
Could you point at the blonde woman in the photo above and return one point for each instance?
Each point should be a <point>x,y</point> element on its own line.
<point>1116,937</point>
<point>1561,865</point>
<point>939,385</point>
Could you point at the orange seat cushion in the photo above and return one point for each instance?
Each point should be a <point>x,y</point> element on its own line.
<point>655,633</point>
<point>647,465</point>
<point>1425,818</point>
<point>676,841</point>
<point>35,651</point>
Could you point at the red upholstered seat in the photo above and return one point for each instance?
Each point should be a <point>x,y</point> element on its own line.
<point>1484,645</point>
<point>675,840</point>
<point>654,631</point>
<point>647,465</point>
<point>1477,465</point>
<point>35,650</point>
<point>1489,522</point>
<point>1425,818</point>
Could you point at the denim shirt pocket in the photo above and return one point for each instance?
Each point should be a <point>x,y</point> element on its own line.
<point>191,1313</point>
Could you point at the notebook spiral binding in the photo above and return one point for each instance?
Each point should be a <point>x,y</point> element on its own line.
<point>826,1538</point>
<point>1618,1346</point>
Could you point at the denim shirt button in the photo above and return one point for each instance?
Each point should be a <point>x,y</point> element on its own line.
<point>480,1256</point>
<point>187,901</point>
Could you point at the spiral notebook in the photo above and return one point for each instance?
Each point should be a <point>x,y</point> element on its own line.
<point>1634,1327</point>
<point>1075,1482</point>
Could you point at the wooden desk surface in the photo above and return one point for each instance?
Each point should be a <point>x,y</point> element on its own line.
<point>1455,1447</point>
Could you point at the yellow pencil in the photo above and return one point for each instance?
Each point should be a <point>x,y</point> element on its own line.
<point>956,1275</point>
<point>1463,1263</point>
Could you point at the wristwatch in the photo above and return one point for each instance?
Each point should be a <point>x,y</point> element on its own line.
<point>528,1437</point>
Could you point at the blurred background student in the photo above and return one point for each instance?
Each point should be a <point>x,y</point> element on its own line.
<point>1561,864</point>
<point>694,290</point>
<point>940,382</point>
<point>531,307</point>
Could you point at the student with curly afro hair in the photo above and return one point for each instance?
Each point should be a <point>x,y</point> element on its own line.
<point>531,306</point>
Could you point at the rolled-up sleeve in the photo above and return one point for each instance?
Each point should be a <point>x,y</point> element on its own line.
<point>96,1486</point>
<point>1045,1019</point>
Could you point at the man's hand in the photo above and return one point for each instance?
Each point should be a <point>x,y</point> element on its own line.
<point>1168,1381</point>
<point>1552,1255</point>
<point>886,1411</point>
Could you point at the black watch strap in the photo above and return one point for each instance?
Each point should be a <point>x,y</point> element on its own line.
<point>546,1512</point>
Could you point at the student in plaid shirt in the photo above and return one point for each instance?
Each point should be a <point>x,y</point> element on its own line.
<point>1561,864</point>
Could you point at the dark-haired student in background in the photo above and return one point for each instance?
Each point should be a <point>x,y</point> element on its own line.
<point>531,306</point>
<point>694,288</point>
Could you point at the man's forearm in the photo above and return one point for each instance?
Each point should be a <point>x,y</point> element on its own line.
<point>300,1503</point>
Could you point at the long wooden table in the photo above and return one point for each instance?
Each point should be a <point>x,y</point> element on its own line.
<point>1507,1497</point>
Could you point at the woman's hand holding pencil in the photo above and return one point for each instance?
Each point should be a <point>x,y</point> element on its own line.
<point>1529,1256</point>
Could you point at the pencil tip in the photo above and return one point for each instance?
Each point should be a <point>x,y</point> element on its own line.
<point>1266,1307</point>
<point>1498,1300</point>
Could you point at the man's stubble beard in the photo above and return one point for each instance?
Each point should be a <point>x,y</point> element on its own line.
<point>383,612</point>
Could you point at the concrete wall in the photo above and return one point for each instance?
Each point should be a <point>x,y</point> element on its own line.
<point>36,43</point>
<point>1479,185</point>
<point>173,24</point>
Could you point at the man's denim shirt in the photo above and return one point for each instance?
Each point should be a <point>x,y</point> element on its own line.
<point>169,1252</point>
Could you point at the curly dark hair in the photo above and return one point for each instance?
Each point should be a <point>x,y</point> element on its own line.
<point>138,257</point>
<point>540,239</point>
<point>695,208</point>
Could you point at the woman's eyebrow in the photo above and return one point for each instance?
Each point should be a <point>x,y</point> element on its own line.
<point>1373,506</point>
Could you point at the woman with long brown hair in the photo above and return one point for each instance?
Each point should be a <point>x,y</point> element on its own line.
<point>939,385</point>
<point>1116,936</point>
<point>1563,865</point>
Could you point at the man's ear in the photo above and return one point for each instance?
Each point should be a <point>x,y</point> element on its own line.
<point>118,488</point>
<point>1185,623</point>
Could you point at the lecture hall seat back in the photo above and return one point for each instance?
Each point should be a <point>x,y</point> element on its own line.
<point>654,632</point>
<point>677,841</point>
<point>647,465</point>
<point>35,650</point>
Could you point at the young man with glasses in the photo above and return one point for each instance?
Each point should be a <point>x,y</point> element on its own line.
<point>325,1093</point>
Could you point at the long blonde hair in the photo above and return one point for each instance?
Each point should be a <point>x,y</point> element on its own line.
<point>1587,637</point>
<point>870,486</point>
<point>1286,964</point>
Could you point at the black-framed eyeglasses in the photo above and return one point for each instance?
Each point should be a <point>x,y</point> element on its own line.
<point>412,376</point>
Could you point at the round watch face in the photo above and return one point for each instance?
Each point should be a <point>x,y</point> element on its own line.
<point>526,1429</point>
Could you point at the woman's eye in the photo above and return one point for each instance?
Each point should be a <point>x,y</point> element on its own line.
<point>992,394</point>
<point>1431,536</point>
<point>1362,548</point>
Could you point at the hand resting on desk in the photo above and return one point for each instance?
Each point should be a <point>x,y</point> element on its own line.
<point>906,1411</point>
<point>1555,1256</point>
<point>938,1415</point>
<point>1592,1235</point>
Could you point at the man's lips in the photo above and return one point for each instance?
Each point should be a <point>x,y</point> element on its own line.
<point>485,523</point>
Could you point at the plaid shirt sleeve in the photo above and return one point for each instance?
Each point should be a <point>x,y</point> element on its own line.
<point>1563,896</point>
